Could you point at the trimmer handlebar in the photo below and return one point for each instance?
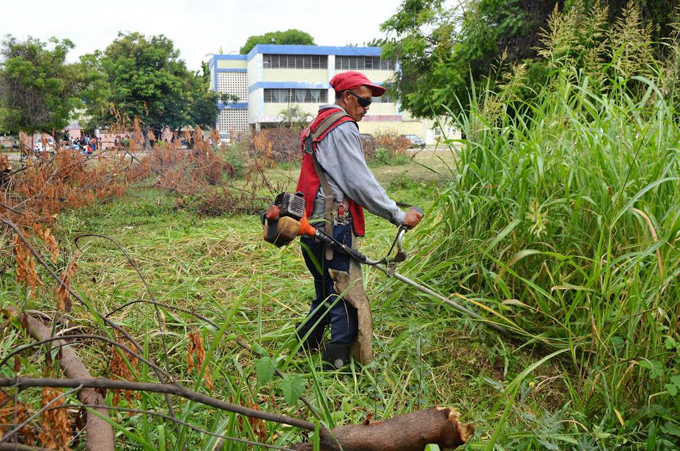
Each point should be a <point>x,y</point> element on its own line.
<point>307,229</point>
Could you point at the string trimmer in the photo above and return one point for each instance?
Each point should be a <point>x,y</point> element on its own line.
<point>286,219</point>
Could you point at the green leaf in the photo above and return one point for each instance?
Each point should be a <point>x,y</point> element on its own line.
<point>293,385</point>
<point>259,350</point>
<point>672,389</point>
<point>671,428</point>
<point>432,447</point>
<point>654,366</point>
<point>265,368</point>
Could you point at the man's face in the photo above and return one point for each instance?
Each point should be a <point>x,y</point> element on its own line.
<point>352,106</point>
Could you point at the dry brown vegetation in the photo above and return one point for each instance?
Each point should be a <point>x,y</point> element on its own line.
<point>32,199</point>
<point>392,142</point>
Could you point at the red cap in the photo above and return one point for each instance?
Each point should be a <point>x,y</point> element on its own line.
<point>353,79</point>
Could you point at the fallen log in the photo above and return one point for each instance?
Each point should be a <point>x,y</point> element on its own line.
<point>99,432</point>
<point>410,432</point>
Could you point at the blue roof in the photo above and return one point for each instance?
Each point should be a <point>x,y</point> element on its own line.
<point>313,50</point>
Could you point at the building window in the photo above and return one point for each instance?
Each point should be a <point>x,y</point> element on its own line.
<point>295,61</point>
<point>295,95</point>
<point>362,63</point>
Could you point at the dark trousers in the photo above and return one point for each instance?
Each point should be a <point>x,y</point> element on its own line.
<point>341,315</point>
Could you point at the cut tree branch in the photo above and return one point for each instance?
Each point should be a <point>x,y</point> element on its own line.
<point>14,312</point>
<point>27,382</point>
<point>239,342</point>
<point>107,321</point>
<point>99,432</point>
<point>176,421</point>
<point>409,432</point>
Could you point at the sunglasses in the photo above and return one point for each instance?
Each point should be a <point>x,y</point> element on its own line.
<point>362,101</point>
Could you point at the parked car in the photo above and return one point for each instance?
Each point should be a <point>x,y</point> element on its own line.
<point>416,141</point>
<point>225,137</point>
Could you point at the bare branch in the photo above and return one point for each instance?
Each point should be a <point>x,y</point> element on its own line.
<point>107,321</point>
<point>79,337</point>
<point>11,209</point>
<point>19,447</point>
<point>167,306</point>
<point>176,421</point>
<point>240,342</point>
<point>26,382</point>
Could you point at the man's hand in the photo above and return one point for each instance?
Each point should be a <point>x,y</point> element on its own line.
<point>412,218</point>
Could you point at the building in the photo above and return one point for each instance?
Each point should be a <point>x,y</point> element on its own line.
<point>273,78</point>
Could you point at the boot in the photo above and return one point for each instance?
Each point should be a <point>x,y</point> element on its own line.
<point>336,355</point>
<point>315,340</point>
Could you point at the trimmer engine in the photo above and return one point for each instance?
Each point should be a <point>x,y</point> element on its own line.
<point>292,205</point>
<point>282,219</point>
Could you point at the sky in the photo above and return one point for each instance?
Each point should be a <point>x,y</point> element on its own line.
<point>197,27</point>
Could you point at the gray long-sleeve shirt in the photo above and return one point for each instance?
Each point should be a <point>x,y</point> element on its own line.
<point>341,156</point>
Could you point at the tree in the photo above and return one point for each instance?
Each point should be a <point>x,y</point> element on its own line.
<point>38,90</point>
<point>293,116</point>
<point>147,80</point>
<point>441,48</point>
<point>202,102</point>
<point>289,37</point>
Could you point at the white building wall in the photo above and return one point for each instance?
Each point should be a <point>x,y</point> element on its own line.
<point>255,69</point>
<point>295,75</point>
<point>331,74</point>
<point>255,106</point>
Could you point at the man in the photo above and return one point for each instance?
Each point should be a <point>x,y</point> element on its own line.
<point>337,183</point>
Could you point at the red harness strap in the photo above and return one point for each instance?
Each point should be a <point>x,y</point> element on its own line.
<point>308,182</point>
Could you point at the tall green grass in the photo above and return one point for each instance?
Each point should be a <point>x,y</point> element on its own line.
<point>564,217</point>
